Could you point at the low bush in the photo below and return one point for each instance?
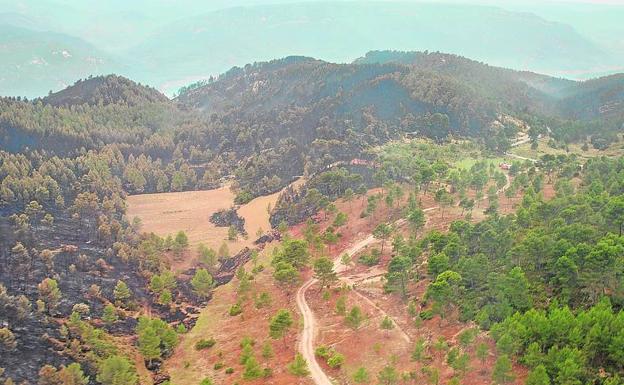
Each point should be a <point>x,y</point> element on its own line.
<point>205,344</point>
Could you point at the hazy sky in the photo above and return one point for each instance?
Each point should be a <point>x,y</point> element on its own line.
<point>96,21</point>
<point>119,31</point>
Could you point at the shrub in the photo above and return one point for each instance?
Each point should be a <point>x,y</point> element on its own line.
<point>369,259</point>
<point>263,300</point>
<point>361,375</point>
<point>205,344</point>
<point>243,197</point>
<point>267,350</point>
<point>426,314</point>
<point>336,360</point>
<point>322,351</point>
<point>235,310</point>
<point>247,341</point>
<point>355,318</point>
<point>229,370</point>
<point>299,367</point>
<point>341,306</point>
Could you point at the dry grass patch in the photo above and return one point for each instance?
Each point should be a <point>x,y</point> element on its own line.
<point>189,211</point>
<point>188,365</point>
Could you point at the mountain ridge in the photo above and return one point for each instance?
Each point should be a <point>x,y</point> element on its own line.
<point>212,42</point>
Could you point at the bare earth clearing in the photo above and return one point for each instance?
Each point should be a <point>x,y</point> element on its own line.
<point>189,211</point>
<point>368,346</point>
<point>320,325</point>
<point>167,213</point>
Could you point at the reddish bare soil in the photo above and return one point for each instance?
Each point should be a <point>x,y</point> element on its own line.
<point>373,348</point>
<point>188,366</point>
<point>368,346</point>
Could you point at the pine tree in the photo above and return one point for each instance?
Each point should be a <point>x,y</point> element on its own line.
<point>202,282</point>
<point>388,376</point>
<point>156,284</point>
<point>386,324</point>
<point>252,369</point>
<point>267,350</point>
<point>502,373</point>
<point>569,372</point>
<point>149,344</point>
<point>299,367</point>
<point>354,318</point>
<point>117,370</point>
<point>324,271</point>
<point>341,306</point>
<point>7,339</point>
<point>109,315</point>
<point>73,375</point>
<point>538,376</point>
<point>122,293</point>
<point>232,233</point>
<point>280,323</point>
<point>50,293</point>
<point>48,375</point>
<point>165,297</point>
<point>246,353</point>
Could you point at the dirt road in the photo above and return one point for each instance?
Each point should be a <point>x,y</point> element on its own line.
<point>306,342</point>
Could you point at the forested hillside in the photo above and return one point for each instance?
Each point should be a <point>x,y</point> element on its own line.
<point>268,122</point>
<point>547,281</point>
<point>79,277</point>
<point>105,90</point>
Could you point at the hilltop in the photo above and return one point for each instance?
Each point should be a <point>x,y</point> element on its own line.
<point>104,90</point>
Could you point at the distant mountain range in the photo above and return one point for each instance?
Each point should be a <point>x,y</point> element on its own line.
<point>33,61</point>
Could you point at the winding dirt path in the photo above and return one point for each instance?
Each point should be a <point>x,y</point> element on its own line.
<point>306,341</point>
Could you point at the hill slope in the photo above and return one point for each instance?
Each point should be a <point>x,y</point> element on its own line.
<point>592,99</point>
<point>602,97</point>
<point>340,92</point>
<point>110,89</point>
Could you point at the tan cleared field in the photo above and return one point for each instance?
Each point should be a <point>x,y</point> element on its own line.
<point>256,212</point>
<point>190,211</point>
